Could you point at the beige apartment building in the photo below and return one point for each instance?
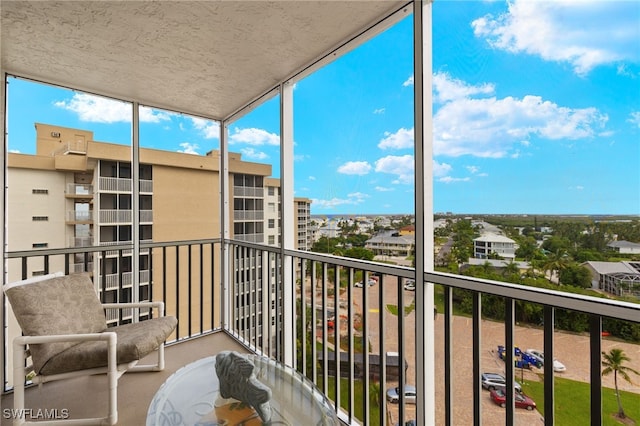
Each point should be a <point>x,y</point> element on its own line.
<point>76,192</point>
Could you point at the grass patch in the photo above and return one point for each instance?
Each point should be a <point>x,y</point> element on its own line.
<point>572,401</point>
<point>374,410</point>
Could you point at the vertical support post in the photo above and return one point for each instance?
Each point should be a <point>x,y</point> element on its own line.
<point>3,241</point>
<point>287,213</point>
<point>423,142</point>
<point>135,206</point>
<point>224,225</point>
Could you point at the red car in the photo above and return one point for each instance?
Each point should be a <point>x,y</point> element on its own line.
<point>521,400</point>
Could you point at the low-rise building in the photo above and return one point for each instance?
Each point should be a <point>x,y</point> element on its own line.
<point>619,278</point>
<point>624,247</point>
<point>490,245</point>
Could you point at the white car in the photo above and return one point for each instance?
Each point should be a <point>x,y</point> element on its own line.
<point>539,355</point>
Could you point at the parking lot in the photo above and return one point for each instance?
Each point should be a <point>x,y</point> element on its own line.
<point>571,349</point>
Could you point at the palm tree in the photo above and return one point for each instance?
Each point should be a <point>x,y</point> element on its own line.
<point>555,263</point>
<point>614,361</point>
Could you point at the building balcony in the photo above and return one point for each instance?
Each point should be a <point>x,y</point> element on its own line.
<point>286,306</point>
<point>79,217</point>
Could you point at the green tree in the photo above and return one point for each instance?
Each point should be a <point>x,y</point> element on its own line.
<point>575,275</point>
<point>614,361</point>
<point>556,262</point>
<point>527,248</point>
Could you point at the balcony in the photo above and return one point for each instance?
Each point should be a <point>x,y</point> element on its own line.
<point>269,309</point>
<point>284,303</point>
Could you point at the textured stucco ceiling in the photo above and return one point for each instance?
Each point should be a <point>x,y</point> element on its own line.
<point>207,58</point>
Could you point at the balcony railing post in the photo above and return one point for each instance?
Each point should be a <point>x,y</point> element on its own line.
<point>595,351</point>
<point>477,384</point>
<point>509,323</point>
<point>549,392</point>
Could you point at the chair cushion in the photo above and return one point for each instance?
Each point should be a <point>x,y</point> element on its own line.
<point>135,341</point>
<point>57,305</point>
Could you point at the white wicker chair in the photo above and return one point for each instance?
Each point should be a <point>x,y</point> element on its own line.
<point>64,326</point>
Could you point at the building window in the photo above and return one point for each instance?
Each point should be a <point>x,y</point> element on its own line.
<point>272,207</point>
<point>37,273</point>
<point>272,223</point>
<point>272,239</point>
<point>39,191</point>
<point>40,218</point>
<point>272,190</point>
<point>40,245</point>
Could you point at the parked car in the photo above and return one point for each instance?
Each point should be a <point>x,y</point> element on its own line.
<point>410,285</point>
<point>521,400</point>
<point>539,355</point>
<point>530,359</point>
<point>393,395</point>
<point>359,284</point>
<point>494,381</point>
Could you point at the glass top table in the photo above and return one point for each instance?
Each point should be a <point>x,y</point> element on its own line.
<point>191,397</point>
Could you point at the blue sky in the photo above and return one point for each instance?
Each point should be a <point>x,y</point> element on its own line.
<point>536,110</point>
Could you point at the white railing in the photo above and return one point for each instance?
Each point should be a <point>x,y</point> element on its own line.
<point>79,189</point>
<point>79,215</point>
<point>248,215</point>
<point>80,241</point>
<point>146,216</point>
<point>146,186</point>
<point>115,216</point>
<point>114,184</point>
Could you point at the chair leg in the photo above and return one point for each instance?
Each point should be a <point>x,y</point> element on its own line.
<point>18,383</point>
<point>20,414</point>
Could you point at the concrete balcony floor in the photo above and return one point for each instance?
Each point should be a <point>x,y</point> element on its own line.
<point>87,396</point>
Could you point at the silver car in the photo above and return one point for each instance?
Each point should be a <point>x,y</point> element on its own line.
<point>393,395</point>
<point>497,381</point>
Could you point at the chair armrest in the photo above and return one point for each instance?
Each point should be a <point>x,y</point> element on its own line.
<point>158,305</point>
<point>108,336</point>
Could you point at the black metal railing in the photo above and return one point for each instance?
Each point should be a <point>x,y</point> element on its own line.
<point>342,340</point>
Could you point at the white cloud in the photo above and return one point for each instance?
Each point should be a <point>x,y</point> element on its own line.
<point>449,179</point>
<point>583,34</point>
<point>14,151</point>
<point>634,118</point>
<point>408,82</point>
<point>355,168</point>
<point>379,111</point>
<point>446,88</point>
<point>353,199</point>
<point>491,127</point>
<point>358,196</point>
<point>96,109</point>
<point>472,169</point>
<point>189,148</point>
<point>383,189</point>
<point>253,154</point>
<point>403,138</point>
<point>253,136</point>
<point>312,178</point>
<point>441,169</point>
<point>210,129</point>
<point>401,166</point>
